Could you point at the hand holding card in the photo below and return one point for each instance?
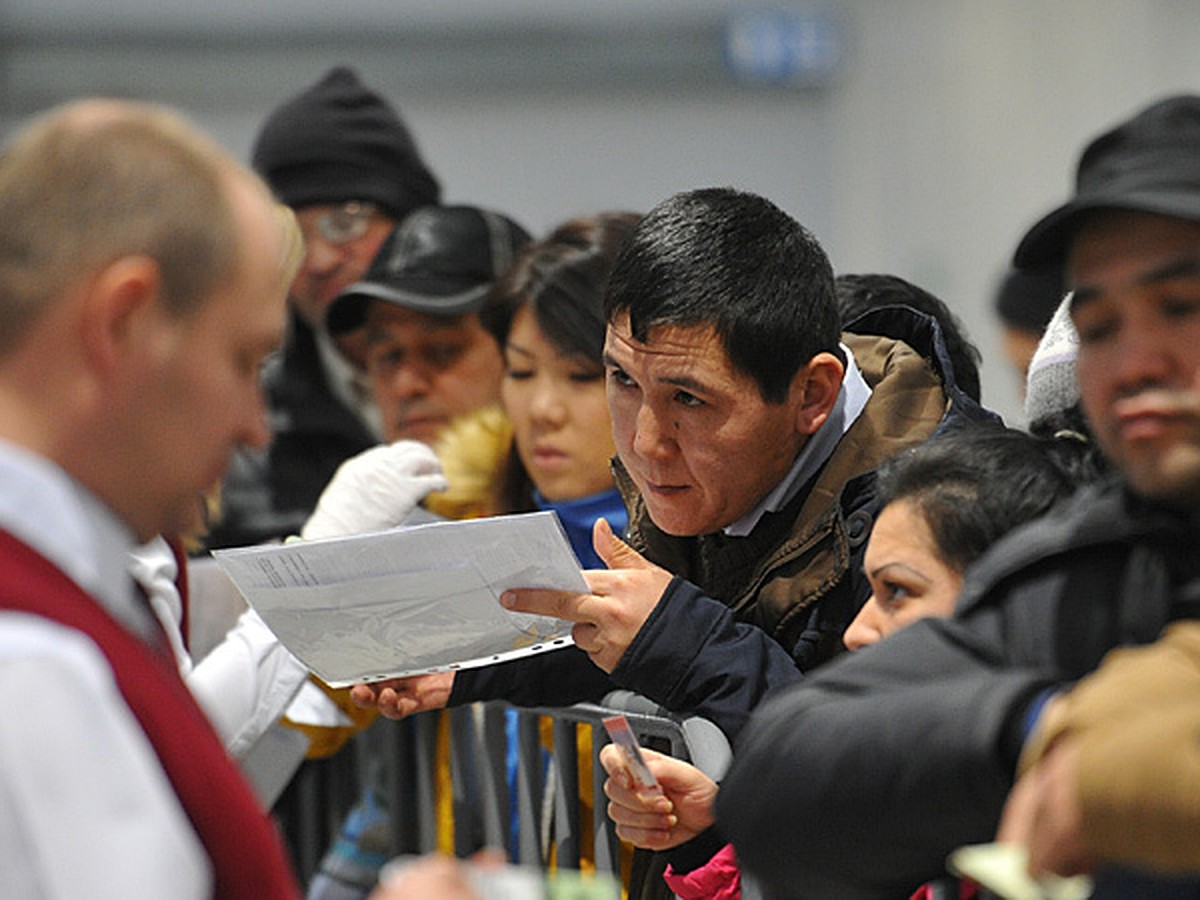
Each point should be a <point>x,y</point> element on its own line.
<point>655,808</point>
<point>622,735</point>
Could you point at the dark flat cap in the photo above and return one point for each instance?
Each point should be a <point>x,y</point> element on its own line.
<point>1150,163</point>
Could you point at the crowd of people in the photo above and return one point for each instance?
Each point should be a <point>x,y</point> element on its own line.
<point>921,627</point>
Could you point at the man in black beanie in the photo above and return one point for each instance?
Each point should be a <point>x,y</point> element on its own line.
<point>342,158</point>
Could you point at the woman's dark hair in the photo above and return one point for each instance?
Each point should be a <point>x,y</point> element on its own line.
<point>974,485</point>
<point>562,279</point>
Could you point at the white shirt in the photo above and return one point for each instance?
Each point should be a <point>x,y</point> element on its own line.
<point>86,809</point>
<point>245,683</point>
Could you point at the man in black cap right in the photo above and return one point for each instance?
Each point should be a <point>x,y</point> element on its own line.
<point>884,762</point>
<point>428,356</point>
<point>341,157</point>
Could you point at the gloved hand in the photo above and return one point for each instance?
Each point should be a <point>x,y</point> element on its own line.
<point>375,490</point>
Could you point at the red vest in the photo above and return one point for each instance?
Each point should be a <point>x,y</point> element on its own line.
<point>247,857</point>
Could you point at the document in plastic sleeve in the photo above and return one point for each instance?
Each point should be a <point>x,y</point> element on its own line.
<point>409,600</point>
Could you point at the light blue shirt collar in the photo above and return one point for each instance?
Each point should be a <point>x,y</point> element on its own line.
<point>852,398</point>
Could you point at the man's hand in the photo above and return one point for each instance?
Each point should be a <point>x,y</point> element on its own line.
<point>1044,814</point>
<point>622,598</point>
<point>652,819</point>
<point>399,697</point>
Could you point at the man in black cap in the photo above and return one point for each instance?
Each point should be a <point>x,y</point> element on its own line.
<point>428,356</point>
<point>429,359</point>
<point>342,158</point>
<point>882,763</point>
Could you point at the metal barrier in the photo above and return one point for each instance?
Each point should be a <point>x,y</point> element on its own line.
<point>545,803</point>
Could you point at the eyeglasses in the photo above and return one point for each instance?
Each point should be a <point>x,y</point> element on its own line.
<point>345,223</point>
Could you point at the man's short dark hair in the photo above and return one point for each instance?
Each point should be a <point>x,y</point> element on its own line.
<point>736,262</point>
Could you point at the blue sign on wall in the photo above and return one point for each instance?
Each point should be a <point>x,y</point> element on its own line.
<point>781,47</point>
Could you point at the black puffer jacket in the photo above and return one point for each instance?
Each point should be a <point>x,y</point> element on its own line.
<point>888,759</point>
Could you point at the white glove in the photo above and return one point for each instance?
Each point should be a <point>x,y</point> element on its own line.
<point>375,490</point>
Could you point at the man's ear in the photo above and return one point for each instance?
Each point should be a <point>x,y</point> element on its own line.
<point>815,388</point>
<point>119,305</point>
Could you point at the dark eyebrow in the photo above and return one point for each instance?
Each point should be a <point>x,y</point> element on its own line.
<point>517,348</point>
<point>896,564</point>
<point>681,381</point>
<point>689,384</point>
<point>375,335</point>
<point>1081,297</point>
<point>1186,267</point>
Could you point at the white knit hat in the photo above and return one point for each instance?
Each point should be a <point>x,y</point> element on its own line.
<point>1051,386</point>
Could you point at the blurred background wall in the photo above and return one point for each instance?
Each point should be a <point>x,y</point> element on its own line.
<point>917,137</point>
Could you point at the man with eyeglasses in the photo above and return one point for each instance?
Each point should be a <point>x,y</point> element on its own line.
<point>342,158</point>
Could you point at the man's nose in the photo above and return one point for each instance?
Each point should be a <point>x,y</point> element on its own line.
<point>256,430</point>
<point>651,439</point>
<point>409,380</point>
<point>1141,358</point>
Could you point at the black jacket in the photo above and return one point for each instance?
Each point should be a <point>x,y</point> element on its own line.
<point>888,759</point>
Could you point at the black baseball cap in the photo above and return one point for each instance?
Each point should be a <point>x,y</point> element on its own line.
<point>439,260</point>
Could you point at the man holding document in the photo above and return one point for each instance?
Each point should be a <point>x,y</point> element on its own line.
<point>747,431</point>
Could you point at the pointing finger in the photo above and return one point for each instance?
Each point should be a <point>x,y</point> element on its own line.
<point>559,604</point>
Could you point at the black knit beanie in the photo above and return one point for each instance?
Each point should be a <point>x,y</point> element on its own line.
<point>339,141</point>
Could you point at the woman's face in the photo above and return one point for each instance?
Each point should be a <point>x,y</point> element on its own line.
<point>559,414</point>
<point>908,579</point>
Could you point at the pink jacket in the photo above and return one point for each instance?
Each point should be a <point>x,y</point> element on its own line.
<point>718,879</point>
